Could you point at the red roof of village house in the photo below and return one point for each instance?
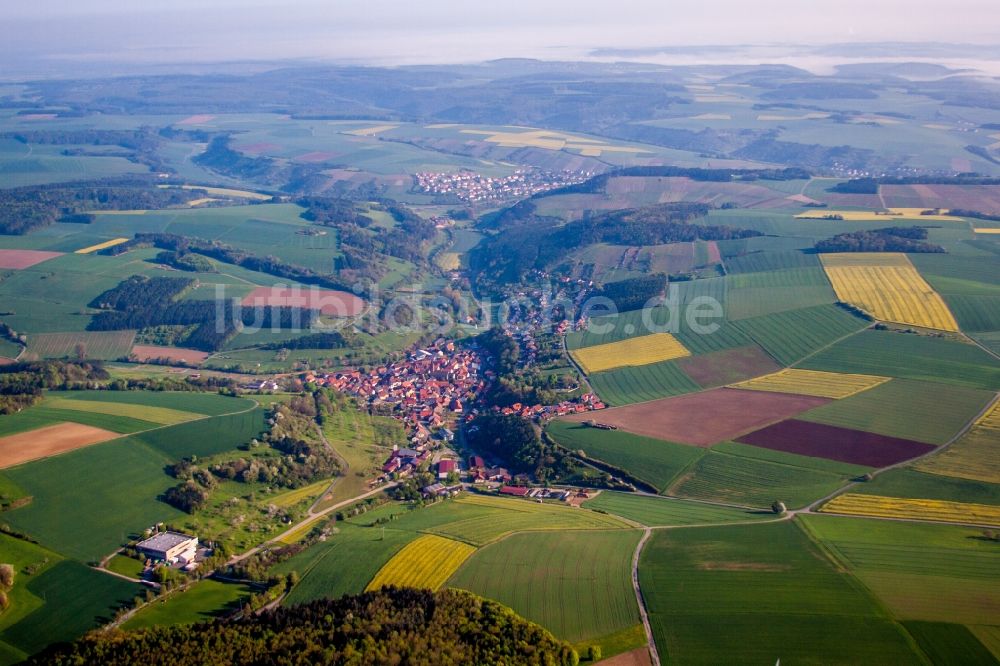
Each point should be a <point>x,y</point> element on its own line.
<point>514,490</point>
<point>446,466</point>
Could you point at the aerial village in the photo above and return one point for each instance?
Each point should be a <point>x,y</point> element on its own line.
<point>472,187</point>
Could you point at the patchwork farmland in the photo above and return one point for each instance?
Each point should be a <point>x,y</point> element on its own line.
<point>641,350</point>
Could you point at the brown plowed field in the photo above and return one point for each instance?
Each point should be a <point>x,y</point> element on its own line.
<point>17,259</point>
<point>153,352</point>
<point>728,366</point>
<point>49,441</point>
<point>706,418</point>
<point>327,301</point>
<point>637,657</point>
<point>984,198</point>
<point>833,443</point>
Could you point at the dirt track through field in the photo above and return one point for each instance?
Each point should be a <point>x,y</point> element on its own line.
<point>49,441</point>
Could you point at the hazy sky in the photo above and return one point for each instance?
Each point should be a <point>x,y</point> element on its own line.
<point>46,33</point>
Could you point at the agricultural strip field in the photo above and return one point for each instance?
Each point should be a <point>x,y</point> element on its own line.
<point>921,411</point>
<point>102,246</point>
<point>75,600</point>
<point>145,353</point>
<point>293,497</point>
<point>40,416</point>
<point>206,599</point>
<point>765,591</point>
<point>330,303</point>
<point>888,287</point>
<point>756,482</point>
<point>159,415</point>
<point>705,418</point>
<point>641,350</point>
<point>653,461</point>
<point>344,563</point>
<point>832,385</point>
<point>664,512</point>
<point>936,573</point>
<point>855,447</point>
<point>208,404</point>
<point>19,259</point>
<point>913,509</point>
<point>504,516</point>
<point>945,643</point>
<point>640,384</point>
<point>976,456</point>
<point>426,562</point>
<point>911,357</point>
<point>87,501</point>
<point>576,585</point>
<point>793,335</point>
<point>97,345</point>
<point>908,482</point>
<point>206,437</point>
<point>763,293</point>
<point>766,262</point>
<point>49,441</point>
<point>728,366</point>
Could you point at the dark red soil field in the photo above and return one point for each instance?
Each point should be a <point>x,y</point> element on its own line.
<point>833,443</point>
<point>329,302</point>
<point>706,418</point>
<point>17,259</point>
<point>728,366</point>
<point>984,198</point>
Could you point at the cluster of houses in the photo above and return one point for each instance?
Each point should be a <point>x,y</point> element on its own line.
<point>422,390</point>
<point>588,402</point>
<point>472,187</point>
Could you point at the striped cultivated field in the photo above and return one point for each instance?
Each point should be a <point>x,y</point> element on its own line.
<point>159,415</point>
<point>426,562</point>
<point>813,382</point>
<point>641,350</point>
<point>887,286</point>
<point>913,509</point>
<point>98,345</point>
<point>976,456</point>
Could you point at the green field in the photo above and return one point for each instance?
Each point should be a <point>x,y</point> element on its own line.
<point>663,511</point>
<point>763,293</point>
<point>576,585</point>
<point>630,384</point>
<point>87,502</point>
<point>344,563</point>
<point>845,470</point>
<point>935,573</point>
<point>764,591</point>
<point>921,411</point>
<point>208,404</point>
<point>99,345</point>
<point>76,599</point>
<point>41,416</point>
<point>793,335</point>
<point>651,460</point>
<point>206,437</point>
<point>949,644</point>
<point>722,477</point>
<point>919,485</point>
<point>761,262</point>
<point>126,566</point>
<point>911,357</point>
<point>202,601</point>
<point>159,415</point>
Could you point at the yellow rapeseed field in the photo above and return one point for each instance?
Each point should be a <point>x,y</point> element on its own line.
<point>976,456</point>
<point>873,216</point>
<point>550,140</point>
<point>102,246</point>
<point>915,509</point>
<point>835,385</point>
<point>426,562</point>
<point>641,350</point>
<point>887,286</point>
<point>987,230</point>
<point>370,131</point>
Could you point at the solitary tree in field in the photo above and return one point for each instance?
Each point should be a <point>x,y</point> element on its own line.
<point>80,351</point>
<point>6,576</point>
<point>778,507</point>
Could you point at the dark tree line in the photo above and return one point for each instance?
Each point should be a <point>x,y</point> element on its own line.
<point>890,239</point>
<point>21,384</point>
<point>229,255</point>
<point>507,257</point>
<point>25,208</point>
<point>141,302</point>
<point>389,626</point>
<point>634,293</point>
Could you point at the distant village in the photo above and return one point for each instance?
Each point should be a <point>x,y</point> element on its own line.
<point>472,187</point>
